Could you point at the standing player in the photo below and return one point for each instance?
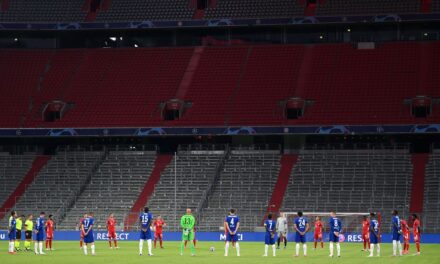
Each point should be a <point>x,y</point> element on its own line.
<point>159,224</point>
<point>28,229</point>
<point>87,228</point>
<point>269,239</point>
<point>187,223</point>
<point>406,236</point>
<point>12,232</point>
<point>365,233</point>
<point>49,233</point>
<point>81,232</point>
<point>318,232</point>
<point>232,223</point>
<point>146,220</point>
<point>282,230</point>
<point>416,232</point>
<point>397,231</point>
<point>374,235</point>
<point>111,231</point>
<point>302,227</point>
<point>19,226</point>
<point>39,234</point>
<point>335,229</point>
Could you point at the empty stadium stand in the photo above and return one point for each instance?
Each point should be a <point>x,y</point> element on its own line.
<point>367,7</point>
<point>245,183</point>
<point>431,207</point>
<point>351,181</point>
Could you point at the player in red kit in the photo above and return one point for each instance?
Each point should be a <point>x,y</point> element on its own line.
<point>81,236</point>
<point>49,232</point>
<point>366,233</point>
<point>406,236</point>
<point>416,232</point>
<point>111,231</point>
<point>159,224</point>
<point>318,232</point>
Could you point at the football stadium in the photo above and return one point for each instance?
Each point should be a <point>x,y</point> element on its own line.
<point>215,131</point>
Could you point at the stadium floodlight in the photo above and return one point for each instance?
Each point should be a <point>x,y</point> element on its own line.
<point>112,38</point>
<point>351,221</point>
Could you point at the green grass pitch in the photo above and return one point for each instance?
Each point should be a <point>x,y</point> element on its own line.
<point>251,253</point>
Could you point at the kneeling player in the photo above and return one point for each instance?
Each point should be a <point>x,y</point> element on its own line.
<point>232,223</point>
<point>158,234</point>
<point>269,239</point>
<point>317,236</point>
<point>374,235</point>
<point>302,227</point>
<point>406,236</point>
<point>111,231</point>
<point>87,228</point>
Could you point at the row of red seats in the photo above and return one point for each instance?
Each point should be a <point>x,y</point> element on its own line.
<point>241,85</point>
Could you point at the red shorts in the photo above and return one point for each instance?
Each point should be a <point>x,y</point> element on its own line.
<point>416,238</point>
<point>406,237</point>
<point>158,235</point>
<point>365,237</point>
<point>49,236</point>
<point>81,235</point>
<point>317,236</point>
<point>111,234</point>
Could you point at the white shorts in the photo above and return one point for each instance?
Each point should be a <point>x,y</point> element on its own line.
<point>282,234</point>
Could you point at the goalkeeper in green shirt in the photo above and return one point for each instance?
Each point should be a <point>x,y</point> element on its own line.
<point>187,223</point>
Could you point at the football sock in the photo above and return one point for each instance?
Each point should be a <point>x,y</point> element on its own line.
<point>394,247</point>
<point>285,241</point>
<point>93,249</point>
<point>418,247</point>
<point>316,243</point>
<point>160,242</point>
<point>110,243</point>
<point>266,248</point>
<point>378,249</point>
<point>331,248</point>
<point>41,246</point>
<point>226,248</point>
<point>322,244</point>
<point>182,245</point>
<point>399,246</point>
<point>193,250</point>
<point>278,242</point>
<point>80,243</point>
<point>85,249</point>
<point>305,249</point>
<point>371,250</point>
<point>115,242</point>
<point>141,245</point>
<point>149,244</point>
<point>237,247</point>
<point>195,242</point>
<point>36,247</point>
<point>338,249</point>
<point>297,249</point>
<point>274,250</point>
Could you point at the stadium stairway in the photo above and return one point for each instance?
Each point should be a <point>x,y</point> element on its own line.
<point>38,163</point>
<point>160,164</point>
<point>419,161</point>
<point>287,162</point>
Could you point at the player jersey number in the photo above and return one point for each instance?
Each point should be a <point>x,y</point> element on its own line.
<point>302,223</point>
<point>86,223</point>
<point>145,219</point>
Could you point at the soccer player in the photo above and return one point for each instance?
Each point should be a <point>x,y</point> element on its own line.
<point>365,233</point>
<point>416,232</point>
<point>318,233</point>
<point>81,232</point>
<point>19,226</point>
<point>49,233</point>
<point>39,234</point>
<point>12,232</point>
<point>111,231</point>
<point>282,230</point>
<point>374,235</point>
<point>269,239</point>
<point>195,239</point>
<point>232,223</point>
<point>87,228</point>
<point>159,224</point>
<point>187,223</point>
<point>406,236</point>
<point>28,229</point>
<point>302,227</point>
<point>146,221</point>
<point>397,231</point>
<point>335,229</point>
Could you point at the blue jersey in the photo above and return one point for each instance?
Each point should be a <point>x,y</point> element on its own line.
<point>232,222</point>
<point>301,224</point>
<point>12,224</point>
<point>396,224</point>
<point>335,225</point>
<point>88,223</point>
<point>39,224</point>
<point>270,226</point>
<point>374,225</point>
<point>145,219</point>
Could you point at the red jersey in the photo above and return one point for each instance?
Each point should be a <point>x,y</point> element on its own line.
<point>318,227</point>
<point>49,227</point>
<point>159,226</point>
<point>365,227</point>
<point>111,223</point>
<point>416,226</point>
<point>404,226</point>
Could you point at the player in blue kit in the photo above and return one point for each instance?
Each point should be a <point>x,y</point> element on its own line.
<point>146,220</point>
<point>335,229</point>
<point>269,239</point>
<point>87,228</point>
<point>232,223</point>
<point>374,235</point>
<point>302,227</point>
<point>12,232</point>
<point>40,226</point>
<point>397,232</point>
